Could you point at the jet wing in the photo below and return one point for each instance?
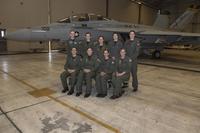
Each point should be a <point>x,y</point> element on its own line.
<point>170,33</point>
<point>141,31</point>
<point>118,30</point>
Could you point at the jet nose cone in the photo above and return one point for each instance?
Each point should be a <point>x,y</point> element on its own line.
<point>20,35</point>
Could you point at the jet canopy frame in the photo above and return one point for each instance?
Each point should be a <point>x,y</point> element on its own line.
<point>83,17</point>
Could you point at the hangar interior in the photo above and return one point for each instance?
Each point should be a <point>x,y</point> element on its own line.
<point>31,101</point>
<point>29,13</point>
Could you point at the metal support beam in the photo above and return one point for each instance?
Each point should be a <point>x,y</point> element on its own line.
<point>139,13</point>
<point>107,8</point>
<point>144,4</point>
<point>49,21</point>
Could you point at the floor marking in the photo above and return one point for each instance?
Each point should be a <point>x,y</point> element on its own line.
<point>170,90</point>
<point>144,72</point>
<point>27,106</point>
<point>42,92</point>
<point>19,80</point>
<point>10,120</point>
<point>169,67</point>
<point>92,118</point>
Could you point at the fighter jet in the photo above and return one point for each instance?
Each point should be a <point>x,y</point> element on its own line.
<point>152,38</point>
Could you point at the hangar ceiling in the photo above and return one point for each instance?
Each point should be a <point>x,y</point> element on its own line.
<point>158,4</point>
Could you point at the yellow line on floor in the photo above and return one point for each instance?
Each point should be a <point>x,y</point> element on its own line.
<point>25,83</point>
<point>107,126</point>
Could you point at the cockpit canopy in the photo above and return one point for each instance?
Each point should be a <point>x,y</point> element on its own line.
<point>83,17</point>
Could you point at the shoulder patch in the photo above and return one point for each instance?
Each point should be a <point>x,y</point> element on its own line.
<point>98,60</point>
<point>138,43</point>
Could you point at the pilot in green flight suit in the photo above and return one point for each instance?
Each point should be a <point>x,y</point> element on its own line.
<point>132,50</point>
<point>105,70</point>
<point>89,66</point>
<point>99,48</point>
<point>72,68</point>
<point>114,46</point>
<point>73,43</point>
<point>121,73</point>
<point>87,43</point>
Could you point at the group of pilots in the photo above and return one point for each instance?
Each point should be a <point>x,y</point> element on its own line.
<point>87,60</point>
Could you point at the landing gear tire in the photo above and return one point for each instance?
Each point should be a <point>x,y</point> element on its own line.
<point>156,54</point>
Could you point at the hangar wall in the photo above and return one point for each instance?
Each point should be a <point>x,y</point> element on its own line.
<point>62,8</point>
<point>16,14</point>
<point>124,10</point>
<point>179,9</point>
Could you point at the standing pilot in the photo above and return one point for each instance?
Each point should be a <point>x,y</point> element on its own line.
<point>132,51</point>
<point>72,68</point>
<point>121,74</point>
<point>100,47</point>
<point>87,43</point>
<point>73,43</point>
<point>114,46</point>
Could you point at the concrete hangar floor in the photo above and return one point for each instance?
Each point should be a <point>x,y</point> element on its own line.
<point>168,100</point>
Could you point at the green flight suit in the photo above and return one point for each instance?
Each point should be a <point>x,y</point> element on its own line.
<point>92,64</point>
<point>114,48</point>
<point>132,51</point>
<point>84,46</point>
<point>73,43</point>
<point>99,50</point>
<point>121,65</point>
<point>71,63</point>
<point>106,66</point>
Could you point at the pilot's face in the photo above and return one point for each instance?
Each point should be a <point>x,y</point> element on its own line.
<point>88,36</point>
<point>74,51</point>
<point>132,35</point>
<point>89,52</point>
<point>101,40</point>
<point>72,34</point>
<point>106,53</point>
<point>122,52</point>
<point>115,37</point>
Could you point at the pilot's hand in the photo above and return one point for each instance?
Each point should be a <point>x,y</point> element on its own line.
<point>86,70</point>
<point>138,43</point>
<point>120,74</point>
<point>71,70</point>
<point>117,74</point>
<point>102,73</point>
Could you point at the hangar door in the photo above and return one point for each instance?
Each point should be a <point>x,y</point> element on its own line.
<point>3,42</point>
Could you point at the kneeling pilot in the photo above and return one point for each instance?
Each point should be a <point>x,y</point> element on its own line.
<point>89,66</point>
<point>121,73</point>
<point>104,74</point>
<point>72,68</point>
